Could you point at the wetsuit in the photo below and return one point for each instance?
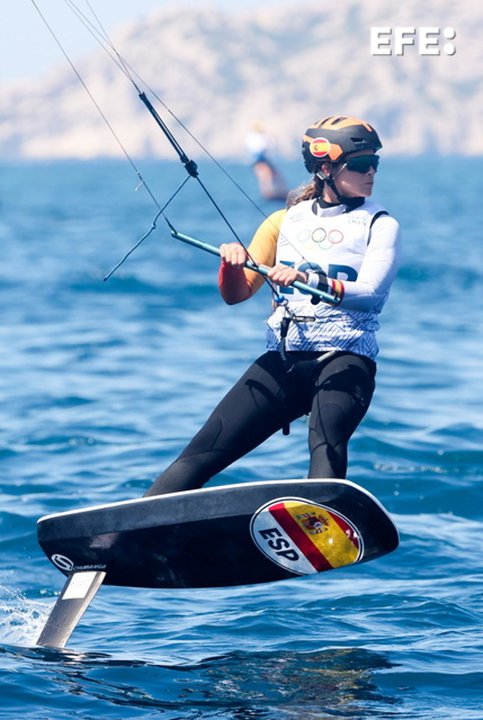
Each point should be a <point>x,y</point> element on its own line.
<point>320,359</point>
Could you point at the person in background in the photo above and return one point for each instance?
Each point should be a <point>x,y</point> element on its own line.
<point>320,358</point>
<point>270,180</point>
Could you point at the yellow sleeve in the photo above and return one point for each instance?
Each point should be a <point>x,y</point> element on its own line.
<point>263,247</point>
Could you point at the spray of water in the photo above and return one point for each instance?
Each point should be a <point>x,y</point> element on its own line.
<point>21,619</point>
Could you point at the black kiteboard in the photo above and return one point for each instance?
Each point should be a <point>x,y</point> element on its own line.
<point>215,537</point>
<point>221,536</point>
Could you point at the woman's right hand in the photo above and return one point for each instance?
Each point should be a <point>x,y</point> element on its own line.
<point>233,254</point>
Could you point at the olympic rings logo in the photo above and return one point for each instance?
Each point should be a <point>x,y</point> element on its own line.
<point>324,240</point>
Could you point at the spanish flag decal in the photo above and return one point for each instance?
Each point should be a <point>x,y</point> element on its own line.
<point>319,147</point>
<point>305,537</point>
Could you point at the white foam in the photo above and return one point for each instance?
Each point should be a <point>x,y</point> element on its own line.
<point>21,619</point>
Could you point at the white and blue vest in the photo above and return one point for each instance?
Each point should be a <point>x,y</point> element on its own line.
<point>334,241</point>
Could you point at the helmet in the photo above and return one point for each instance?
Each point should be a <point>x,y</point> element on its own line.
<point>334,137</point>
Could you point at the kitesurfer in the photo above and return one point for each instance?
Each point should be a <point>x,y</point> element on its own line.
<point>320,358</point>
<point>260,147</point>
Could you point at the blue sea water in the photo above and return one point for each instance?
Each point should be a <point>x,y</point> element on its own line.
<point>102,384</point>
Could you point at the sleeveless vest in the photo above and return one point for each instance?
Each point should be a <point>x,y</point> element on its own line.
<point>334,241</point>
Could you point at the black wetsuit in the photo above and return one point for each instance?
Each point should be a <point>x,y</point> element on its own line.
<point>334,387</point>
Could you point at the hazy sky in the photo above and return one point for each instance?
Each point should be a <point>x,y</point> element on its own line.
<point>28,50</point>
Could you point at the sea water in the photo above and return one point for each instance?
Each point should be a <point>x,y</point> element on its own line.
<point>102,384</point>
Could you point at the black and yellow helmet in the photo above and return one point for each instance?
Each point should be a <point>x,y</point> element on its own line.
<point>334,137</point>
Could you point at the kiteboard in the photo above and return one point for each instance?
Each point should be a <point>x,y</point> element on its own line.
<point>214,537</point>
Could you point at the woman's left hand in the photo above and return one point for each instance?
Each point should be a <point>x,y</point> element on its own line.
<point>284,275</point>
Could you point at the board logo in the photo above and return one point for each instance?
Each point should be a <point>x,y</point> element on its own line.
<point>305,537</point>
<point>62,562</point>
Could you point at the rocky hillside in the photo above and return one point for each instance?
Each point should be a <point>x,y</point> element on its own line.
<point>284,66</point>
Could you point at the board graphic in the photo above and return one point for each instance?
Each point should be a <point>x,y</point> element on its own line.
<point>214,537</point>
<point>305,537</point>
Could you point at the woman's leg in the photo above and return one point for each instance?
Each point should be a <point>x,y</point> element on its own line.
<point>343,392</point>
<point>253,410</point>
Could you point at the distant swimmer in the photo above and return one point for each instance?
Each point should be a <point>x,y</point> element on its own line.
<point>260,147</point>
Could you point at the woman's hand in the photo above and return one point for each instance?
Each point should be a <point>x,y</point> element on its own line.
<point>233,254</point>
<point>284,275</point>
<point>232,280</point>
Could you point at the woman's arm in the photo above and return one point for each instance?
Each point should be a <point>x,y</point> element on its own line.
<point>237,283</point>
<point>378,269</point>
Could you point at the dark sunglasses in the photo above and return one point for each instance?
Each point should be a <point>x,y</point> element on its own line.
<point>362,163</point>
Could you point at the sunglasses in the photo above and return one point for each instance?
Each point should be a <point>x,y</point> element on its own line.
<point>362,163</point>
